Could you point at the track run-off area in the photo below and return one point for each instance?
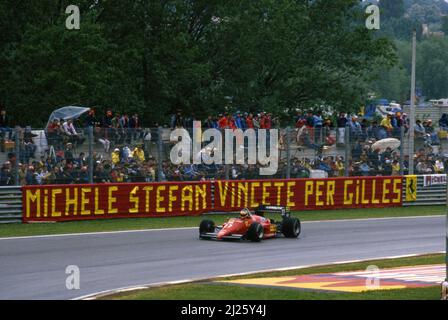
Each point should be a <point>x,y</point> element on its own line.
<point>35,267</point>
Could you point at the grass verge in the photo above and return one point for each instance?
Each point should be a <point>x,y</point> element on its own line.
<point>15,230</point>
<point>207,291</point>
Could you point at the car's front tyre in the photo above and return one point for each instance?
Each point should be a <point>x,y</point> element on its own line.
<point>255,232</point>
<point>206,226</point>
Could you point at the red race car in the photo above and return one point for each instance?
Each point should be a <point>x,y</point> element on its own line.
<point>252,226</point>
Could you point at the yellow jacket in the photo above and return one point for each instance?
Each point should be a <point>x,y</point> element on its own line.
<point>115,157</point>
<point>138,154</point>
<point>340,166</point>
<point>386,123</point>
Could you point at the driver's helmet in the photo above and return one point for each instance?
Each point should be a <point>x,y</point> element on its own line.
<point>245,213</point>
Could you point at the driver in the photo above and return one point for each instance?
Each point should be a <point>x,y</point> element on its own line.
<point>245,213</point>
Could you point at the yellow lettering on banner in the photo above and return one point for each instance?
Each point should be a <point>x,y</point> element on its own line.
<point>45,203</point>
<point>331,189</point>
<point>187,197</point>
<point>98,211</point>
<point>54,194</point>
<point>171,197</point>
<point>357,191</point>
<point>290,194</point>
<point>201,190</point>
<point>253,202</point>
<point>265,193</point>
<point>374,200</point>
<point>309,190</point>
<point>232,195</point>
<point>147,192</point>
<point>85,201</point>
<point>397,191</point>
<point>159,199</point>
<point>279,186</point>
<point>319,193</point>
<point>243,189</point>
<point>135,200</point>
<point>35,198</point>
<point>222,192</point>
<point>348,196</point>
<point>71,202</point>
<point>386,190</point>
<point>363,193</point>
<point>112,200</point>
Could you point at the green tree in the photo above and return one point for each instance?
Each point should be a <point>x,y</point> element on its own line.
<point>156,56</point>
<point>444,26</point>
<point>392,8</point>
<point>432,67</point>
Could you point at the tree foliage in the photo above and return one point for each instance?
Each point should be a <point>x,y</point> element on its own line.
<point>197,55</point>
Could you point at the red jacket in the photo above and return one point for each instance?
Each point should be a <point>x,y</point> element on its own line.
<point>250,123</point>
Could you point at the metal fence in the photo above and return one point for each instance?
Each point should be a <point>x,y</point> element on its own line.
<point>100,155</point>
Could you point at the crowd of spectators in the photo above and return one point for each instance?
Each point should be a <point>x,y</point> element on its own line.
<point>125,153</point>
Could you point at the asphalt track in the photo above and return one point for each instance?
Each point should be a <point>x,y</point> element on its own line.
<point>34,268</point>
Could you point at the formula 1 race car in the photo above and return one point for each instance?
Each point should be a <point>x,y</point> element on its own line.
<point>253,226</point>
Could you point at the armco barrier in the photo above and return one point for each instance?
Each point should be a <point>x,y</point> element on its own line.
<point>431,190</point>
<point>10,204</point>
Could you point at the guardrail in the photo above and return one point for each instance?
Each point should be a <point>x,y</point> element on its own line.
<point>10,204</point>
<point>428,193</point>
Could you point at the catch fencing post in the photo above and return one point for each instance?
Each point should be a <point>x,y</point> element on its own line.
<point>402,150</point>
<point>159,152</point>
<point>90,132</point>
<point>17,151</point>
<point>288,153</point>
<point>347,150</point>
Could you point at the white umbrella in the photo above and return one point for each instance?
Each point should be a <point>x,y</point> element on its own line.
<point>383,144</point>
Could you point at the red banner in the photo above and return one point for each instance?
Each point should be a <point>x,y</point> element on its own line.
<point>105,201</point>
<point>84,202</point>
<point>310,194</point>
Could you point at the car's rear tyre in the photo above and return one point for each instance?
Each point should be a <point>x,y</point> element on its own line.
<point>291,227</point>
<point>255,232</point>
<point>206,226</point>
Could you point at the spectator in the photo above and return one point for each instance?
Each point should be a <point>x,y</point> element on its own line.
<point>116,157</point>
<point>396,169</point>
<point>443,122</point>
<point>386,124</point>
<point>70,131</point>
<point>420,132</point>
<point>138,154</point>
<point>4,124</point>
<point>429,129</point>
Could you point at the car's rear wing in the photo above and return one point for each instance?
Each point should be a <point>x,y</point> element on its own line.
<point>284,211</point>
